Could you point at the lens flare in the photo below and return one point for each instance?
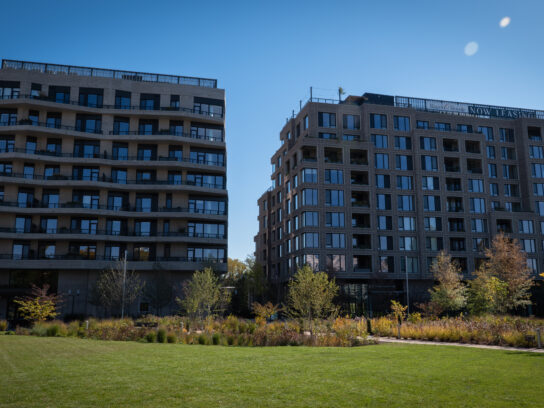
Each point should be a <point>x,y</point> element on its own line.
<point>505,21</point>
<point>471,48</point>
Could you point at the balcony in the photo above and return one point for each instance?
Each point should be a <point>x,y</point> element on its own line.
<point>332,155</point>
<point>124,208</point>
<point>359,178</point>
<point>105,179</point>
<point>452,165</point>
<point>360,199</point>
<point>361,241</point>
<point>474,166</point>
<point>105,156</point>
<point>358,157</point>
<point>360,220</point>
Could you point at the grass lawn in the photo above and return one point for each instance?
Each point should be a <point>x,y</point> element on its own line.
<point>65,372</point>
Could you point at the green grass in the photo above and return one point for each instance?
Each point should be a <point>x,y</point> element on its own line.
<point>65,372</point>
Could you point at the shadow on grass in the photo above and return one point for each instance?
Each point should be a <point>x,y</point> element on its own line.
<point>525,353</point>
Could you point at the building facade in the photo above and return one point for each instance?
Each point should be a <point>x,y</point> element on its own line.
<point>96,163</point>
<point>372,188</point>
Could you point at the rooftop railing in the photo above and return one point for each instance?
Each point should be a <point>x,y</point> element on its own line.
<point>57,69</point>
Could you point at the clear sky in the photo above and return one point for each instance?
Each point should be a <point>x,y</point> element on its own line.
<point>267,55</point>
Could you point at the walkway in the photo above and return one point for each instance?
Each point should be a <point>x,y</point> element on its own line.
<point>439,343</point>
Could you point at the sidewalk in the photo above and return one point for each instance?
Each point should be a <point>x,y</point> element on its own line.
<point>439,343</point>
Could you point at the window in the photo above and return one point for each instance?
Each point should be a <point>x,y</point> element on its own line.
<point>309,175</point>
<point>510,171</point>
<point>207,106</point>
<point>442,127</point>
<point>407,244</point>
<point>429,163</point>
<point>122,100</point>
<point>92,97</point>
<point>385,223</point>
<point>540,208</point>
<point>409,264</point>
<point>536,152</point>
<point>382,181</point>
<point>385,243</point>
<point>537,170</point>
<point>350,137</point>
<point>403,162</point>
<point>336,263</point>
<point>538,189</point>
<point>378,121</point>
<point>89,123</point>
<point>456,224</point>
<point>508,153</point>
<point>492,169</point>
<point>383,201</point>
<point>433,243</point>
<point>382,161</point>
<point>476,186</point>
<point>478,225</point>
<point>334,198</point>
<point>352,122</point>
<point>403,143</point>
<point>149,101</point>
<point>405,203</point>
<point>494,189</point>
<point>327,135</point>
<point>457,244</point>
<point>528,245</point>
<point>335,240</point>
<point>310,219</point>
<point>422,124</point>
<point>334,176</point>
<point>506,135</point>
<point>28,171</point>
<point>334,219</point>
<point>306,122</point>
<point>407,224</point>
<point>511,190</point>
<point>431,203</point>
<point>404,182</point>
<point>427,143</point>
<point>380,141</point>
<point>402,123</point>
<point>526,227</point>
<point>430,183</point>
<point>326,120</point>
<point>477,205</point>
<point>490,152</point>
<point>432,223</point>
<point>310,240</point>
<point>121,126</point>
<point>464,128</point>
<point>486,131</point>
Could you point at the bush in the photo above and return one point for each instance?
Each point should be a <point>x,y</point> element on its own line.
<point>171,338</point>
<point>161,336</point>
<point>151,337</point>
<point>3,325</point>
<point>53,331</point>
<point>202,339</point>
<point>216,338</point>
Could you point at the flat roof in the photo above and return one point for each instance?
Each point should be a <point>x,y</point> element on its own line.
<point>107,73</point>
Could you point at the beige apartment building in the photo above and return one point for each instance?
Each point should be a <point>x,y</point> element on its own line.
<point>96,163</point>
<point>371,188</point>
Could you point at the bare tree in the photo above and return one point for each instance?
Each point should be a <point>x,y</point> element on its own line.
<point>110,286</point>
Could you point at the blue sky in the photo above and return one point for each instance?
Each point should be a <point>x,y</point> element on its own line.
<point>267,55</point>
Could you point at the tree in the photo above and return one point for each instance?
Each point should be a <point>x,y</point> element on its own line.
<point>507,262</point>
<point>398,310</point>
<point>40,306</point>
<point>266,311</point>
<point>109,288</point>
<point>203,295</point>
<point>486,293</point>
<point>235,269</point>
<point>159,290</point>
<point>311,295</point>
<point>450,295</point>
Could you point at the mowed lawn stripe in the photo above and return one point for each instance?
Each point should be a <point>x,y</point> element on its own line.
<point>66,372</point>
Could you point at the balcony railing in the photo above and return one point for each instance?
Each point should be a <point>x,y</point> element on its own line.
<point>112,157</point>
<point>121,233</point>
<point>77,205</point>
<point>130,258</point>
<point>28,122</point>
<point>118,106</point>
<point>106,179</point>
<point>107,73</point>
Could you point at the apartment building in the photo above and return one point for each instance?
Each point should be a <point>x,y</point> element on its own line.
<point>98,163</point>
<point>371,188</point>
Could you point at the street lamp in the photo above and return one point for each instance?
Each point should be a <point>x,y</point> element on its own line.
<point>73,298</point>
<point>407,286</point>
<point>124,281</point>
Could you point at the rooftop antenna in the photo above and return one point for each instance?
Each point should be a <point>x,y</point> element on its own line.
<point>340,93</point>
<point>311,94</point>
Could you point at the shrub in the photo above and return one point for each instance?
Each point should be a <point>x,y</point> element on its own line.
<point>202,339</point>
<point>151,337</point>
<point>216,339</point>
<point>3,325</point>
<point>53,331</point>
<point>171,338</point>
<point>161,336</point>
